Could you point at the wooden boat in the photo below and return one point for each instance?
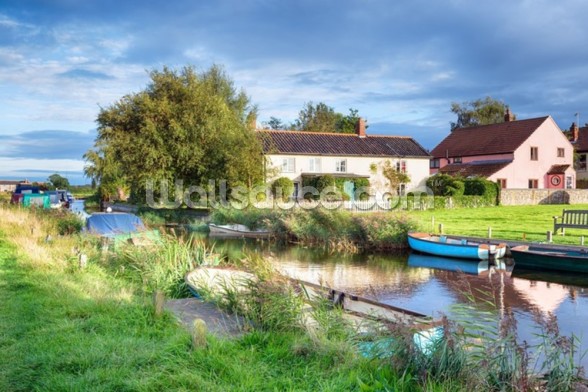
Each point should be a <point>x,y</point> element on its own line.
<point>440,245</point>
<point>537,257</point>
<point>207,279</point>
<point>237,231</point>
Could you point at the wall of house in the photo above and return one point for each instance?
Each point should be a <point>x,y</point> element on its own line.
<point>416,168</point>
<point>547,138</point>
<point>582,170</point>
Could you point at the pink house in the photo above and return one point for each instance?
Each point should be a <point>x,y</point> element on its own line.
<point>532,153</point>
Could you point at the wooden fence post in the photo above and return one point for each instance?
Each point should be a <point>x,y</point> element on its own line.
<point>489,232</point>
<point>549,236</point>
<point>440,228</point>
<point>158,302</point>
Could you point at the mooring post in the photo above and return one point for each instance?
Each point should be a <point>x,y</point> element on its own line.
<point>83,260</point>
<point>158,302</point>
<point>440,228</point>
<point>549,237</point>
<point>582,240</point>
<point>199,331</point>
<point>433,223</point>
<point>489,232</point>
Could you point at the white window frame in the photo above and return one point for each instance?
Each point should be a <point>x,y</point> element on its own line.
<point>341,166</point>
<point>314,165</point>
<point>288,165</point>
<point>401,166</point>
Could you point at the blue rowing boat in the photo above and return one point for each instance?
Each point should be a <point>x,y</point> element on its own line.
<point>440,245</point>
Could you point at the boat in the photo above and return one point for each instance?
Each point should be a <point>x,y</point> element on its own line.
<point>214,280</point>
<point>237,231</point>
<point>555,259</point>
<point>119,227</point>
<point>440,245</point>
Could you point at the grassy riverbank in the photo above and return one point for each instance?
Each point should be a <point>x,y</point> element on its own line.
<point>64,328</point>
<point>520,223</point>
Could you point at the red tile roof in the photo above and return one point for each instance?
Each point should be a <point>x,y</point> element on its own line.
<point>581,145</point>
<point>502,138</point>
<point>474,169</point>
<point>339,144</point>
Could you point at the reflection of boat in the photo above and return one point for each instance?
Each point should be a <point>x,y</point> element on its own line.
<point>565,278</point>
<point>119,227</point>
<point>536,257</point>
<point>471,267</point>
<point>441,245</point>
<point>219,280</point>
<point>240,231</point>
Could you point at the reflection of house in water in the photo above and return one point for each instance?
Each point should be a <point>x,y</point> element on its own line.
<point>544,296</point>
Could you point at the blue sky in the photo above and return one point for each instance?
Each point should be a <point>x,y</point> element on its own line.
<point>400,63</point>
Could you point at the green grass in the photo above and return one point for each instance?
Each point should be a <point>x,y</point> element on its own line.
<point>529,223</point>
<point>62,328</point>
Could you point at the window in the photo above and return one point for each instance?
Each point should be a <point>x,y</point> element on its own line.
<point>341,166</point>
<point>314,165</point>
<point>434,163</point>
<point>287,165</point>
<point>501,183</point>
<point>581,163</point>
<point>534,153</point>
<point>401,166</point>
<point>569,181</point>
<point>457,160</point>
<point>533,183</point>
<point>401,190</point>
<point>561,152</point>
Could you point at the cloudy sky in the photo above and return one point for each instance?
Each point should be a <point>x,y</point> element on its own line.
<point>400,63</point>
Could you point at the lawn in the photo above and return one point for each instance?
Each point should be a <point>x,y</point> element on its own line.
<point>528,223</point>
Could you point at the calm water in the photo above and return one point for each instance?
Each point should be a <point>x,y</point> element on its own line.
<point>431,285</point>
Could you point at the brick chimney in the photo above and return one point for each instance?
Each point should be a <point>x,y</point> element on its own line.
<point>508,116</point>
<point>574,132</point>
<point>360,127</point>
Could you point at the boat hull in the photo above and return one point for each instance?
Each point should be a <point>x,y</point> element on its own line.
<point>237,231</point>
<point>449,247</point>
<point>544,259</point>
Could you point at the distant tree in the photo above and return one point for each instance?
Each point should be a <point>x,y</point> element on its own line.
<point>185,125</point>
<point>274,123</point>
<point>322,118</point>
<point>57,181</point>
<point>478,112</point>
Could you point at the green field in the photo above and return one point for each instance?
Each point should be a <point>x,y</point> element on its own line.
<point>520,223</point>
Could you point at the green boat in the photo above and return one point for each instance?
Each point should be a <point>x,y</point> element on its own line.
<point>537,257</point>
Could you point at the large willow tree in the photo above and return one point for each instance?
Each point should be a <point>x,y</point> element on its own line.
<point>184,125</point>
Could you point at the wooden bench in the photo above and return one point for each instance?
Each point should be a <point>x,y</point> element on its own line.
<point>573,219</point>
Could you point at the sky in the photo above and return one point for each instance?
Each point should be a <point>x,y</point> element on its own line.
<point>399,63</point>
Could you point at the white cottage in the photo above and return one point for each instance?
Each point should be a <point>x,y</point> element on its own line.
<point>296,155</point>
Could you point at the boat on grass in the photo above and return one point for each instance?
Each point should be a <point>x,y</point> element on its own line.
<point>237,231</point>
<point>119,227</point>
<point>545,258</point>
<point>440,245</point>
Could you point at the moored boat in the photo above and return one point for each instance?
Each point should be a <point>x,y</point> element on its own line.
<point>237,231</point>
<point>537,257</point>
<point>440,245</point>
<point>120,227</point>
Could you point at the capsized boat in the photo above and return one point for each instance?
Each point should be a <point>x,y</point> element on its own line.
<point>440,245</point>
<point>237,231</point>
<point>545,258</point>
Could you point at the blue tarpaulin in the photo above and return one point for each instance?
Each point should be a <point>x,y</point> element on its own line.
<point>112,224</point>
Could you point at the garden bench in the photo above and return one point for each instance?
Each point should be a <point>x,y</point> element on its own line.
<point>573,219</point>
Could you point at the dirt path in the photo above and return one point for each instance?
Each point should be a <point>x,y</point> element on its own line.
<point>219,323</point>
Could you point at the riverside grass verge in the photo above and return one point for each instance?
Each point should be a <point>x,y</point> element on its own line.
<point>62,328</point>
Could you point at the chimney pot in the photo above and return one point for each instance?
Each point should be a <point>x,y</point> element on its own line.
<point>360,127</point>
<point>508,116</point>
<point>574,132</point>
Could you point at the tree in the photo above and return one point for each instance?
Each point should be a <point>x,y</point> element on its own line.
<point>478,112</point>
<point>323,118</point>
<point>185,126</point>
<point>274,123</point>
<point>58,182</point>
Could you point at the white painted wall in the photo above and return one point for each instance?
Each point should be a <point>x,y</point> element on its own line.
<point>416,168</point>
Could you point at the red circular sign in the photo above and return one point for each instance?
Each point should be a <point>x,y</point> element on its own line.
<point>555,180</point>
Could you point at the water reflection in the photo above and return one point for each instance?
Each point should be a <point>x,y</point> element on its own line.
<point>432,285</point>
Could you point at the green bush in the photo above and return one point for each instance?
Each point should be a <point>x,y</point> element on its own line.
<point>446,185</point>
<point>69,224</point>
<point>283,187</point>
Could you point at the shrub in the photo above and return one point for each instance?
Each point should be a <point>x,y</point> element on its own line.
<point>69,224</point>
<point>446,185</point>
<point>282,188</point>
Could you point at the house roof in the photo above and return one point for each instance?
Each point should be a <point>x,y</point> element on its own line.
<point>581,144</point>
<point>339,144</point>
<point>474,169</point>
<point>502,138</point>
